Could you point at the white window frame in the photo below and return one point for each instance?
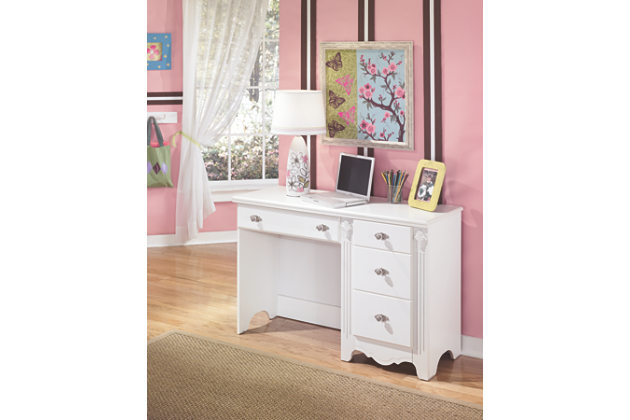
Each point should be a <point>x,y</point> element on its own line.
<point>224,189</point>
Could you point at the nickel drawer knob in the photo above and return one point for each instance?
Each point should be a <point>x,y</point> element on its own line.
<point>381,318</point>
<point>381,272</point>
<point>381,236</point>
<point>322,228</point>
<point>255,218</point>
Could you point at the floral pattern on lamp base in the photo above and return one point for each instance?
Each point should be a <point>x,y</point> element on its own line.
<point>298,173</point>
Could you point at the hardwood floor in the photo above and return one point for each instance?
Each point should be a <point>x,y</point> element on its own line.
<point>193,289</point>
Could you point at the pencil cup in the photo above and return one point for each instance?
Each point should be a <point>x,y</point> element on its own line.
<point>393,194</point>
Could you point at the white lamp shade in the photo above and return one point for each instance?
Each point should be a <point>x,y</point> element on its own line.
<point>298,112</point>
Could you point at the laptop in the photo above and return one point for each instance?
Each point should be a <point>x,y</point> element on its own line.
<point>354,183</point>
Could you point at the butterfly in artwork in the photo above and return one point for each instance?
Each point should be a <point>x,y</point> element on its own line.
<point>335,63</point>
<point>334,127</point>
<point>346,82</point>
<point>334,100</point>
<point>349,115</point>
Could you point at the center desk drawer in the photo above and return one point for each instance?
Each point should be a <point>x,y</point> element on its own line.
<point>381,318</point>
<point>382,236</point>
<point>387,273</point>
<point>290,223</point>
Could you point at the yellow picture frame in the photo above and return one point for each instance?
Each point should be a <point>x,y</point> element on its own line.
<point>427,185</point>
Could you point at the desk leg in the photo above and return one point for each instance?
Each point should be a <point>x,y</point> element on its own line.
<point>346,290</point>
<point>257,270</point>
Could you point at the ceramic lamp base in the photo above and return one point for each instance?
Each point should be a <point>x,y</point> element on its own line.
<point>298,170</point>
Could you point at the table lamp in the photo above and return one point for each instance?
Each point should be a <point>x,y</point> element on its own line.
<point>298,112</point>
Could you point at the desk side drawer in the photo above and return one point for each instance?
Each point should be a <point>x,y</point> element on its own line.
<point>381,318</point>
<point>307,225</point>
<point>382,236</point>
<point>383,272</point>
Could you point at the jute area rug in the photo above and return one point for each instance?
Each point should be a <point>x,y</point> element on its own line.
<point>192,377</point>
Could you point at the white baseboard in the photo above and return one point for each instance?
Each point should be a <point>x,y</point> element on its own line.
<point>202,238</point>
<point>472,346</point>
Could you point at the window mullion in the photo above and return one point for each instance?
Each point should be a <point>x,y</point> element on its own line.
<point>262,106</point>
<point>264,137</point>
<point>229,154</point>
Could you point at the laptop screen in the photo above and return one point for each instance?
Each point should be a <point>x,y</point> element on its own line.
<point>355,174</point>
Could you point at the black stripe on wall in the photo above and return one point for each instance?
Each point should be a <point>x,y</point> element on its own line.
<point>361,20</point>
<point>304,40</point>
<point>370,34</point>
<point>426,39</point>
<point>426,72</point>
<point>166,102</point>
<point>309,74</point>
<point>361,36</point>
<point>313,43</point>
<point>164,95</point>
<point>438,80</point>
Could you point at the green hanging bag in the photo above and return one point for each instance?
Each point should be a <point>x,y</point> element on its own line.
<point>158,159</point>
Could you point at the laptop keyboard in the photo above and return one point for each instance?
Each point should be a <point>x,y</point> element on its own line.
<point>332,194</point>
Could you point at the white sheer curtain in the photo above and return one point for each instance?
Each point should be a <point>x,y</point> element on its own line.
<point>221,41</point>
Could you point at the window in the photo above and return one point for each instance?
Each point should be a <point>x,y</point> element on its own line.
<point>247,153</point>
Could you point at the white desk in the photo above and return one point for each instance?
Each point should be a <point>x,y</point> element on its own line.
<point>387,275</point>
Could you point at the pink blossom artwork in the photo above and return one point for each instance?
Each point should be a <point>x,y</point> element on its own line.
<point>369,89</point>
<point>381,96</point>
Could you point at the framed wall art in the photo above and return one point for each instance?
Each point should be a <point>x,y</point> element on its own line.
<point>427,185</point>
<point>158,51</point>
<point>368,93</point>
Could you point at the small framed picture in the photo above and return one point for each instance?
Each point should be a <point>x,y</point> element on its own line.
<point>159,51</point>
<point>427,184</point>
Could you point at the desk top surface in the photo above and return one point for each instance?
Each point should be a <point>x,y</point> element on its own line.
<point>377,209</point>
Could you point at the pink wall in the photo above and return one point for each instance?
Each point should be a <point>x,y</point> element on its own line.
<point>290,66</point>
<point>462,112</point>
<point>462,121</point>
<point>462,115</point>
<point>166,16</point>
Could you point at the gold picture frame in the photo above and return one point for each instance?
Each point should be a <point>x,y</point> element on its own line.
<point>427,185</point>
